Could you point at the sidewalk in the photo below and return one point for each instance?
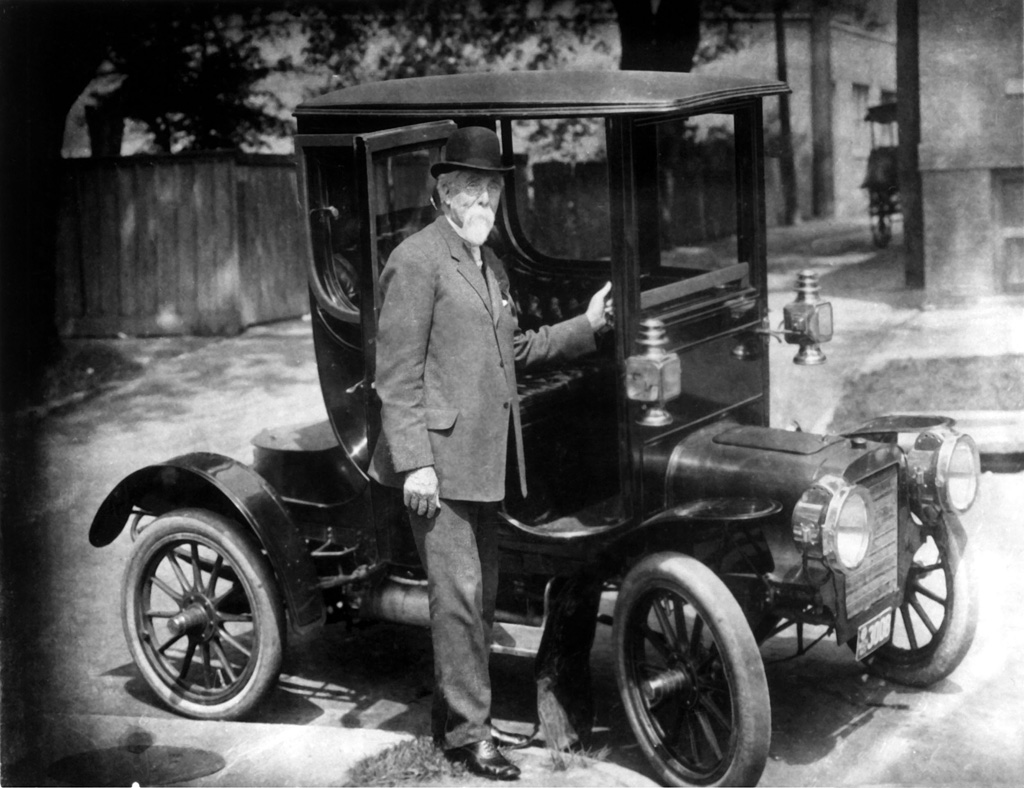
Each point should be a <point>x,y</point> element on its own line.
<point>878,320</point>
<point>90,749</point>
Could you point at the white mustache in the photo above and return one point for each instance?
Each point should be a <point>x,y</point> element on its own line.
<point>478,212</point>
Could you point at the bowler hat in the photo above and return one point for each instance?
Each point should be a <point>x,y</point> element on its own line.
<point>471,148</point>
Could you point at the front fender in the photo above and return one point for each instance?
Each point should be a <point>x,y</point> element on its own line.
<point>229,488</point>
<point>950,527</point>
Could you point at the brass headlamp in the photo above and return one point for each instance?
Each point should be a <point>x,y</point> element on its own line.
<point>945,468</point>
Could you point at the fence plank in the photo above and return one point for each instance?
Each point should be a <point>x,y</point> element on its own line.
<point>109,246</point>
<point>145,264</point>
<point>165,230</point>
<point>186,250</point>
<point>70,295</point>
<point>164,245</point>
<point>126,235</point>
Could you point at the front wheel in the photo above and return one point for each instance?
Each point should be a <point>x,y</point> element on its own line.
<point>202,615</point>
<point>934,627</point>
<point>690,674</point>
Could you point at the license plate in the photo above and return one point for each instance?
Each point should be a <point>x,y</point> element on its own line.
<point>874,633</point>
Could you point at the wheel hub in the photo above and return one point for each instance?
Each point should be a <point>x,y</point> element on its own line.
<point>194,619</point>
<point>675,681</point>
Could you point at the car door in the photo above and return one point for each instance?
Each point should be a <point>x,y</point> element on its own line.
<point>363,194</point>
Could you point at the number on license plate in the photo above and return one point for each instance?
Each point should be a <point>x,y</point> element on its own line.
<point>874,633</point>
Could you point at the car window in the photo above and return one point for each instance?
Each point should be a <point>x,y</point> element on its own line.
<point>403,187</point>
<point>688,217</point>
<point>561,196</point>
<point>334,226</point>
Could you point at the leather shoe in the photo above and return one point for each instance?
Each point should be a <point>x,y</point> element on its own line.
<point>514,741</point>
<point>483,758</point>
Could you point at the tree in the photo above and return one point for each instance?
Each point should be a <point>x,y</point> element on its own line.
<point>429,37</point>
<point>658,35</point>
<point>191,74</point>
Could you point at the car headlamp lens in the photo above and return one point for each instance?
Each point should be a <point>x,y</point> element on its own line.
<point>959,467</point>
<point>851,534</point>
<point>945,469</point>
<point>834,520</point>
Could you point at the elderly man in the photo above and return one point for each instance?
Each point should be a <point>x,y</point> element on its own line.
<point>448,345</point>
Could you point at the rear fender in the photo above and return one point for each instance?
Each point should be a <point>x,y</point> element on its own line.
<point>234,490</point>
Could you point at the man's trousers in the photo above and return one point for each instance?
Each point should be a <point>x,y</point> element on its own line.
<point>459,550</point>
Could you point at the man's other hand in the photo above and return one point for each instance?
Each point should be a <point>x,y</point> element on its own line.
<point>599,312</point>
<point>420,491</point>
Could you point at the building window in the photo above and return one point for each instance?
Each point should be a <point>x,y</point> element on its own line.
<point>1010,205</point>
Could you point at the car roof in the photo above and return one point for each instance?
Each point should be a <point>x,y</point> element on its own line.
<point>541,93</point>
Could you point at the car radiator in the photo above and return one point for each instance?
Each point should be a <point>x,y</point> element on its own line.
<point>877,576</point>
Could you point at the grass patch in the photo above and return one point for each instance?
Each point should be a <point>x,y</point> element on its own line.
<point>415,762</point>
<point>933,386</point>
<point>562,761</point>
<point>419,762</point>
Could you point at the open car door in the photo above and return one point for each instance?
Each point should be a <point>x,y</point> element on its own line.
<point>364,194</point>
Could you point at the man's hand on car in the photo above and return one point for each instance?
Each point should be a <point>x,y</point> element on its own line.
<point>600,310</point>
<point>420,491</point>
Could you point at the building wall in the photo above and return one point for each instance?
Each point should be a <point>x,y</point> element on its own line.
<point>972,146</point>
<point>863,74</point>
<point>861,58</point>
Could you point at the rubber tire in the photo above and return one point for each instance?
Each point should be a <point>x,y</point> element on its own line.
<point>686,577</point>
<point>881,226</point>
<point>239,547</point>
<point>941,656</point>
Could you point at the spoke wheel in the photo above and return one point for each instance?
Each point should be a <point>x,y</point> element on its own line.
<point>881,225</point>
<point>934,627</point>
<point>690,674</point>
<point>202,615</point>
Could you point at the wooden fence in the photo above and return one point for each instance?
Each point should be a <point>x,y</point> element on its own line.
<point>205,244</point>
<point>210,244</point>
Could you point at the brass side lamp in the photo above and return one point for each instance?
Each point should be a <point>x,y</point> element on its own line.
<point>808,320</point>
<point>654,375</point>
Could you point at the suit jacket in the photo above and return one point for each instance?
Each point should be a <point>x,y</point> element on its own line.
<point>448,344</point>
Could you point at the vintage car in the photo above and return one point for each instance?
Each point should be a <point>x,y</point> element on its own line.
<point>652,463</point>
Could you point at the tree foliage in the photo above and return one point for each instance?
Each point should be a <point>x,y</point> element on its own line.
<point>661,36</point>
<point>191,73</point>
<point>432,37</point>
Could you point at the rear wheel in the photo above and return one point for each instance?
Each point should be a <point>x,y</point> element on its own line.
<point>934,627</point>
<point>202,615</point>
<point>881,221</point>
<point>690,674</point>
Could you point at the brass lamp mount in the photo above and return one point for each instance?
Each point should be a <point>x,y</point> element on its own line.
<point>807,321</point>
<point>654,375</point>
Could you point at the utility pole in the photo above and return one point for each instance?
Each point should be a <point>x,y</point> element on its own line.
<point>822,166</point>
<point>787,166</point>
<point>908,114</point>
